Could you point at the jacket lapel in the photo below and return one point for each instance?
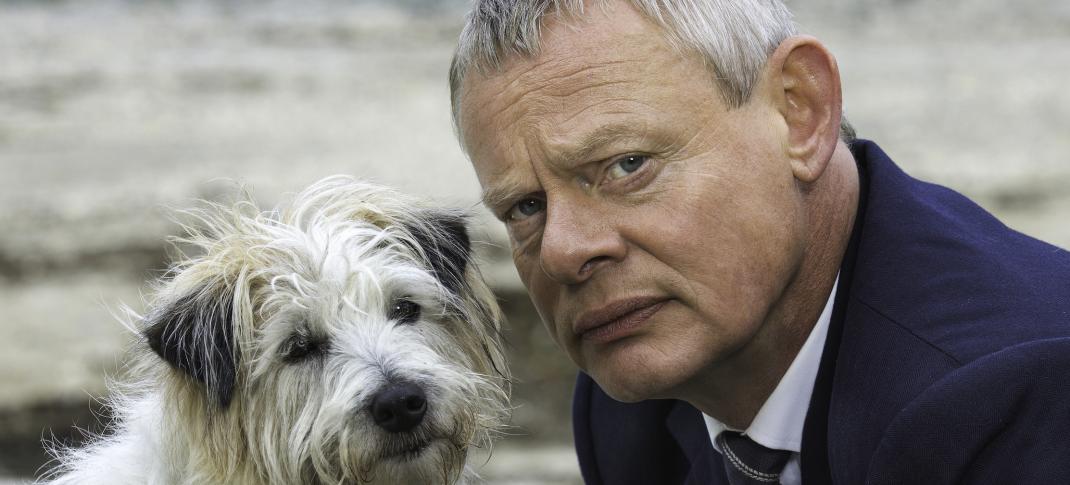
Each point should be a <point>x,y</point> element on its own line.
<point>685,424</point>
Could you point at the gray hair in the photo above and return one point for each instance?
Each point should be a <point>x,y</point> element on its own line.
<point>734,37</point>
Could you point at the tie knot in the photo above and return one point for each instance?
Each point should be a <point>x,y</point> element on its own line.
<point>748,462</point>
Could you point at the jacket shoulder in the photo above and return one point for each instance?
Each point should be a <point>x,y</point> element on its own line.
<point>949,272</point>
<point>940,290</point>
<point>1003,418</point>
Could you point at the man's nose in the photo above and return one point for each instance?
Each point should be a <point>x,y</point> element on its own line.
<point>577,241</point>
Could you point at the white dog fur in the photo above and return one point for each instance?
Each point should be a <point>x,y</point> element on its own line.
<point>262,355</point>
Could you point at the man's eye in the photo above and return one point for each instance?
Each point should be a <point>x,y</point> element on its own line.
<point>626,166</point>
<point>525,208</point>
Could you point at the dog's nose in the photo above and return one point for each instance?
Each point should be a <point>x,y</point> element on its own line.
<point>399,407</point>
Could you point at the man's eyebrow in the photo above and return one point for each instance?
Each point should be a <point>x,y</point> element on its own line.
<point>572,154</point>
<point>494,197</point>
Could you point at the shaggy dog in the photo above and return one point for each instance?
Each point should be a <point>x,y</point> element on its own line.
<point>345,339</point>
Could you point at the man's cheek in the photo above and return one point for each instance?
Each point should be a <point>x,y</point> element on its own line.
<point>526,260</point>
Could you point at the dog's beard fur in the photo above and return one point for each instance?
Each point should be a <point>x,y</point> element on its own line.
<point>265,351</point>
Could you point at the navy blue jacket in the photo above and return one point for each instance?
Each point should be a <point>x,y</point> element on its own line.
<point>947,360</point>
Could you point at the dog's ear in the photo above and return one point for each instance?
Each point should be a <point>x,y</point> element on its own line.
<point>195,334</point>
<point>443,237</point>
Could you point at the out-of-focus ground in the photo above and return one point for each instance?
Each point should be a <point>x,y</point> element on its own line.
<point>111,111</point>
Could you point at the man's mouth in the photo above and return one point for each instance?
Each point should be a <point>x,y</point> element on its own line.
<point>616,319</point>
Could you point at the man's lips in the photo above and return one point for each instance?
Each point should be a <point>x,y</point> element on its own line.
<point>606,322</point>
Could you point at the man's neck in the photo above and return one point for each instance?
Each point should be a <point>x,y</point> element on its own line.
<point>734,389</point>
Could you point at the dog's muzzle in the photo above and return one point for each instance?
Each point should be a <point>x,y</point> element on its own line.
<point>399,407</point>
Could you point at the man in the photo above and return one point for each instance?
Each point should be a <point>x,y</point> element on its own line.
<point>751,295</point>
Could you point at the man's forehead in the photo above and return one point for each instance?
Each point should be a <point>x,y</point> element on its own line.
<point>604,41</point>
<point>551,104</point>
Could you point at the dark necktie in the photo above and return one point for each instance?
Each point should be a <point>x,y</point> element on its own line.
<point>747,462</point>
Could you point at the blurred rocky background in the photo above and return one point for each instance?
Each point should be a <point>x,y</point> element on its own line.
<point>113,111</point>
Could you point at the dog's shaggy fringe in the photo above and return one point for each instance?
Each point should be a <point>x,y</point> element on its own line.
<point>327,266</point>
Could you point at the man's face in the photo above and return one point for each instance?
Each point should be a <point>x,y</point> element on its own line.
<point>653,227</point>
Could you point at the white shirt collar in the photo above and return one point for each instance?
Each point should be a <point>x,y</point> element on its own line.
<point>779,422</point>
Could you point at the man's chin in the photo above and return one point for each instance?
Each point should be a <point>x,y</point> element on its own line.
<point>624,395</point>
<point>634,385</point>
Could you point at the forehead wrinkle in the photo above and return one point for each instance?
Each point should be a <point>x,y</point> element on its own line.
<point>528,76</point>
<point>588,94</point>
<point>509,79</point>
<point>506,113</point>
<point>590,87</point>
<point>606,112</point>
<point>529,86</point>
<point>534,79</point>
<point>551,91</point>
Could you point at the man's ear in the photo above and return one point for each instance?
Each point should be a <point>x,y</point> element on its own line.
<point>195,335</point>
<point>443,238</point>
<point>805,84</point>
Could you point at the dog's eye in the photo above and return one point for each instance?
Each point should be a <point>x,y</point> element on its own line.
<point>300,347</point>
<point>404,311</point>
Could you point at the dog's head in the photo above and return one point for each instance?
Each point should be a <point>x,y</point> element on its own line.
<point>347,338</point>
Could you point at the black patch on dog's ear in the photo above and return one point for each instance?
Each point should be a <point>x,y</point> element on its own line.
<point>444,239</point>
<point>195,334</point>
